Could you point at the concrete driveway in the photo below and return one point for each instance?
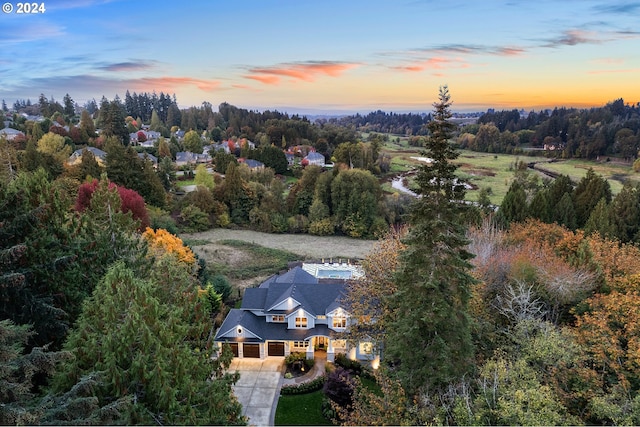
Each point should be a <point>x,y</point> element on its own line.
<point>258,388</point>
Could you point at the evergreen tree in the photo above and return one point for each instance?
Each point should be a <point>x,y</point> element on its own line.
<point>87,127</point>
<point>600,220</point>
<point>430,337</point>
<point>514,205</point>
<point>587,194</point>
<point>69,106</point>
<point>112,121</point>
<point>44,273</point>
<point>19,373</point>
<point>144,337</point>
<point>156,123</point>
<point>625,214</point>
<point>564,212</point>
<point>539,207</point>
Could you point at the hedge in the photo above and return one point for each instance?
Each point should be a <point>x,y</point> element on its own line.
<point>306,387</point>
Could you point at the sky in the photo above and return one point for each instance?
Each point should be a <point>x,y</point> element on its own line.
<point>327,56</point>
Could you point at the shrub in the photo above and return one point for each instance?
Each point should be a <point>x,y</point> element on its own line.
<point>302,388</point>
<point>339,387</point>
<point>323,227</point>
<point>279,223</point>
<point>194,220</point>
<point>297,356</point>
<point>222,286</point>
<point>298,224</point>
<point>353,366</point>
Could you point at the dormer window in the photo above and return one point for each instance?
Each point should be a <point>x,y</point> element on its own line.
<point>339,322</point>
<point>278,318</point>
<point>301,322</point>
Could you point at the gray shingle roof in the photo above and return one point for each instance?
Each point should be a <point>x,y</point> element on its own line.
<point>316,298</point>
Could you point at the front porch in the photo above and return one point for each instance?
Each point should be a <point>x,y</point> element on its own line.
<point>325,347</point>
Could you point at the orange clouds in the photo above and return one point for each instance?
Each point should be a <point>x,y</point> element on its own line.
<point>169,83</point>
<point>307,71</point>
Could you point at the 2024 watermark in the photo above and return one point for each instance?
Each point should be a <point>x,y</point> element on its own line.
<point>32,8</point>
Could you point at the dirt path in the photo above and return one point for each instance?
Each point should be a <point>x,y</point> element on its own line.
<point>305,245</point>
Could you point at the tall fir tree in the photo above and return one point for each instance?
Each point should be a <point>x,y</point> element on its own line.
<point>430,336</point>
<point>587,194</point>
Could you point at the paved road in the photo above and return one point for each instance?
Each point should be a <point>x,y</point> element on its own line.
<point>258,388</point>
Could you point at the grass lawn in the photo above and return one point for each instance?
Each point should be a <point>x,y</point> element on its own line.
<point>186,182</point>
<point>301,409</point>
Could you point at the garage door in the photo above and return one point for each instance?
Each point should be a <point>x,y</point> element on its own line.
<point>251,350</point>
<point>234,348</point>
<point>276,349</point>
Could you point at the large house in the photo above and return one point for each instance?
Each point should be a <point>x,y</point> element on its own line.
<point>295,312</point>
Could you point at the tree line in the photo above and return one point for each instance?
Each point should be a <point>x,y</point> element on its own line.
<point>610,130</point>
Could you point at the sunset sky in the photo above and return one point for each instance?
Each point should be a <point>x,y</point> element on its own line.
<point>320,56</point>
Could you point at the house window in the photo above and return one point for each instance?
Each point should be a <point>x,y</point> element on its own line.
<point>366,348</point>
<point>321,317</point>
<point>301,322</point>
<point>339,322</point>
<point>339,343</point>
<point>278,318</point>
<point>301,344</point>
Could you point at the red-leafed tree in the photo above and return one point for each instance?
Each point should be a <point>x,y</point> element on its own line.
<point>131,201</point>
<point>142,137</point>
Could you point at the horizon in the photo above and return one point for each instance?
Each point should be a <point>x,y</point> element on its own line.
<point>327,58</point>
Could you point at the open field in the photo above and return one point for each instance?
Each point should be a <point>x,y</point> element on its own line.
<point>496,171</point>
<point>615,172</point>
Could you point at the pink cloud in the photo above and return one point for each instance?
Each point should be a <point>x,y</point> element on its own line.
<point>268,80</point>
<point>168,83</point>
<point>435,63</point>
<point>307,71</point>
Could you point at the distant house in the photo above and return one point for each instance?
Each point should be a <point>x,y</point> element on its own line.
<point>291,159</point>
<point>253,164</point>
<point>10,134</point>
<point>189,158</point>
<point>150,157</point>
<point>295,312</point>
<point>150,137</point>
<point>32,118</point>
<point>314,158</point>
<point>221,146</point>
<point>76,156</point>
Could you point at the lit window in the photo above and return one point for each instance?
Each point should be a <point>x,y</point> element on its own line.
<point>301,344</point>
<point>321,317</point>
<point>339,343</point>
<point>277,318</point>
<point>339,322</point>
<point>301,322</point>
<point>366,348</point>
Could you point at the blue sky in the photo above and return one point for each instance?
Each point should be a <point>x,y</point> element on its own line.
<point>319,56</point>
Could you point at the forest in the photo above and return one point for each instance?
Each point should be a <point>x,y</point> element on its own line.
<point>521,316</point>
